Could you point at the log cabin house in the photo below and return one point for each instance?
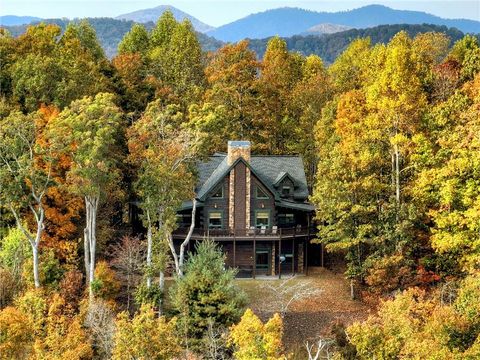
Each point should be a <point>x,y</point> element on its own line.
<point>256,207</point>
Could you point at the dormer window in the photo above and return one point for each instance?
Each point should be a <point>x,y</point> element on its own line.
<point>286,190</point>
<point>218,193</point>
<point>260,194</point>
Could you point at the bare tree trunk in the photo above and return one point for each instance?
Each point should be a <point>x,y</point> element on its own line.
<point>352,289</point>
<point>86,250</point>
<point>91,207</point>
<point>179,259</point>
<point>187,239</point>
<point>161,285</point>
<point>34,242</point>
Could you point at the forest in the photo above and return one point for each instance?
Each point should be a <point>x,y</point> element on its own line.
<point>390,137</point>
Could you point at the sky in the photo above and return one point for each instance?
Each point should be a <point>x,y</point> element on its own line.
<point>219,12</point>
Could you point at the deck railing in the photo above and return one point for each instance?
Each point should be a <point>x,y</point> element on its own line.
<point>271,232</point>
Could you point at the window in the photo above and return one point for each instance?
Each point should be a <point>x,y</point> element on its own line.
<point>285,190</point>
<point>262,218</point>
<point>260,194</point>
<point>215,220</point>
<point>184,220</point>
<point>218,193</point>
<point>286,220</point>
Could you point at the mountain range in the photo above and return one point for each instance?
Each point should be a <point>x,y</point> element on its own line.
<point>291,21</point>
<point>287,21</point>
<point>9,20</point>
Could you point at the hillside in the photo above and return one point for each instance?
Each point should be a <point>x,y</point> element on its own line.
<point>293,21</point>
<point>111,31</point>
<point>152,15</point>
<point>329,46</point>
<point>9,20</point>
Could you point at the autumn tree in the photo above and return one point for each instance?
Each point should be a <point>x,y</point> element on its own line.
<point>448,176</point>
<point>90,130</point>
<point>23,184</point>
<point>280,72</point>
<point>231,102</point>
<point>163,151</point>
<point>252,339</point>
<point>175,56</point>
<point>146,336</point>
<point>62,209</point>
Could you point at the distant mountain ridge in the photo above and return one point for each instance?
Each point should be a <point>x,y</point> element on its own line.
<point>287,22</point>
<point>9,20</point>
<point>147,15</point>
<point>329,46</point>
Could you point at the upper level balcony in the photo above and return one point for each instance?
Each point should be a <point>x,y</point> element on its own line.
<point>262,233</point>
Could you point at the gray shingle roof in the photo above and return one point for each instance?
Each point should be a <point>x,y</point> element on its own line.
<point>269,169</point>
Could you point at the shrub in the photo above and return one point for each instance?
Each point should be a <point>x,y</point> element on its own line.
<point>9,287</point>
<point>105,286</point>
<point>148,295</point>
<point>71,288</point>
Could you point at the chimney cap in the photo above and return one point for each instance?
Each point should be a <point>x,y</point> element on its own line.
<point>237,143</point>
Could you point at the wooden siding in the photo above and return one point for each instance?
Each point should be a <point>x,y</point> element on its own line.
<point>261,204</point>
<point>222,205</point>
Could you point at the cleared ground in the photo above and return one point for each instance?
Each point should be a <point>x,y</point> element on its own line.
<point>313,316</point>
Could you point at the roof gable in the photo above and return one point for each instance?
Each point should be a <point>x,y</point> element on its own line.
<point>269,170</point>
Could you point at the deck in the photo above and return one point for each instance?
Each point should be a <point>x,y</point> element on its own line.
<point>273,234</point>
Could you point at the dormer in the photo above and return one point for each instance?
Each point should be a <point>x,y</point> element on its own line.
<point>285,185</point>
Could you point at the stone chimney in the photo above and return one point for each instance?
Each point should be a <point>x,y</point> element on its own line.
<point>240,185</point>
<point>237,149</point>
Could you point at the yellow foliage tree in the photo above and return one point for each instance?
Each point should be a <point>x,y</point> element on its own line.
<point>145,337</point>
<point>254,340</point>
<point>64,337</point>
<point>16,334</point>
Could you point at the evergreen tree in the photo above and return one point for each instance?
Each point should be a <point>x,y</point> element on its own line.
<point>206,294</point>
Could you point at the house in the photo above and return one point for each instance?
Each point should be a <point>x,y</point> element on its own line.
<point>256,207</point>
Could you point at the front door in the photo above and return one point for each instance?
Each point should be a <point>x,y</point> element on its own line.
<point>263,257</point>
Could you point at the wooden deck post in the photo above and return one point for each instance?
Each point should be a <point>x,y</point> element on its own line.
<point>279,255</point>
<point>306,255</point>
<point>293,252</point>
<point>254,255</point>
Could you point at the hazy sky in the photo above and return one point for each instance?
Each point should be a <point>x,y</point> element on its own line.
<point>218,12</point>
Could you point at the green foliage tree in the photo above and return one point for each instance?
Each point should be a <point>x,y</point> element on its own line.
<point>176,59</point>
<point>163,151</point>
<point>206,294</point>
<point>135,41</point>
<point>91,130</point>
